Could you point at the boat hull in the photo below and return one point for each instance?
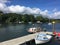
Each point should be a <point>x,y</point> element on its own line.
<point>41,42</point>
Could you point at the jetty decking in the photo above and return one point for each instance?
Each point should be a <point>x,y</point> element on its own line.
<point>20,40</point>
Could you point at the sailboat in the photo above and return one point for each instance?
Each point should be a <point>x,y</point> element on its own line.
<point>49,22</point>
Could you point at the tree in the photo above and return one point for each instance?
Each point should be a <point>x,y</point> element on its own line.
<point>39,18</point>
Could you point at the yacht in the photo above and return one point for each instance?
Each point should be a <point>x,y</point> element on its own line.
<point>42,38</point>
<point>49,22</point>
<point>34,29</point>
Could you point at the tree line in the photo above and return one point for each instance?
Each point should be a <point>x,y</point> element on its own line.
<point>25,18</point>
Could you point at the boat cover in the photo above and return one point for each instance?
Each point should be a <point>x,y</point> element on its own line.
<point>41,36</point>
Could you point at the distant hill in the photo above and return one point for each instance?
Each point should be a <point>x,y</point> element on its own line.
<point>15,18</point>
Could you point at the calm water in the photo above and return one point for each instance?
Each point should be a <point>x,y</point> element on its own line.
<point>8,32</point>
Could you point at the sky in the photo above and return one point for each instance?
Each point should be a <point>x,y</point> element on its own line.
<point>48,8</point>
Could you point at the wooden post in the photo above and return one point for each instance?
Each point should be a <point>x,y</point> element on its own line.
<point>53,30</point>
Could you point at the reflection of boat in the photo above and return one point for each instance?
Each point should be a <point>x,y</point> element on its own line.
<point>42,38</point>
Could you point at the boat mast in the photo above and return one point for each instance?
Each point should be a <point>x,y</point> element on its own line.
<point>49,19</point>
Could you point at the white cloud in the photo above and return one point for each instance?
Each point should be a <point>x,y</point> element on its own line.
<point>56,15</point>
<point>25,10</point>
<point>21,9</point>
<point>2,6</point>
<point>28,10</point>
<point>16,9</point>
<point>45,12</point>
<point>4,1</point>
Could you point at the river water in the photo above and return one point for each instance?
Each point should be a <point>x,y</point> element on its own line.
<point>11,31</point>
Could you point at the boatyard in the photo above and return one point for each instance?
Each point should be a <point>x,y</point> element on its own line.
<point>21,40</point>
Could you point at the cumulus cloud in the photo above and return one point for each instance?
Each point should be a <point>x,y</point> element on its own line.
<point>20,9</point>
<point>4,1</point>
<point>27,10</point>
<point>56,15</point>
<point>24,10</point>
<point>2,6</point>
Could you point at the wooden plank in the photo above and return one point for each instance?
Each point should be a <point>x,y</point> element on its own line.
<point>19,40</point>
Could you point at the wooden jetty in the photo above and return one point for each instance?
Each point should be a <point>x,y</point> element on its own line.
<point>20,40</point>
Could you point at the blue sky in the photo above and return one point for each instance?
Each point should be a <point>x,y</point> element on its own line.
<point>42,4</point>
<point>48,8</point>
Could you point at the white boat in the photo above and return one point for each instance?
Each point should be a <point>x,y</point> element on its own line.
<point>42,38</point>
<point>32,30</point>
<point>20,22</point>
<point>38,21</point>
<point>49,23</point>
<point>30,22</point>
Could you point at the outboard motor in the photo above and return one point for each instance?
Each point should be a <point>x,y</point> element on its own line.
<point>58,36</point>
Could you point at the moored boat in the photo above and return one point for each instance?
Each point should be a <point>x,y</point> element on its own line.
<point>57,35</point>
<point>34,30</point>
<point>42,38</point>
<point>49,23</point>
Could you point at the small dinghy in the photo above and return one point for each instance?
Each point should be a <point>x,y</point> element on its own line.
<point>42,38</point>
